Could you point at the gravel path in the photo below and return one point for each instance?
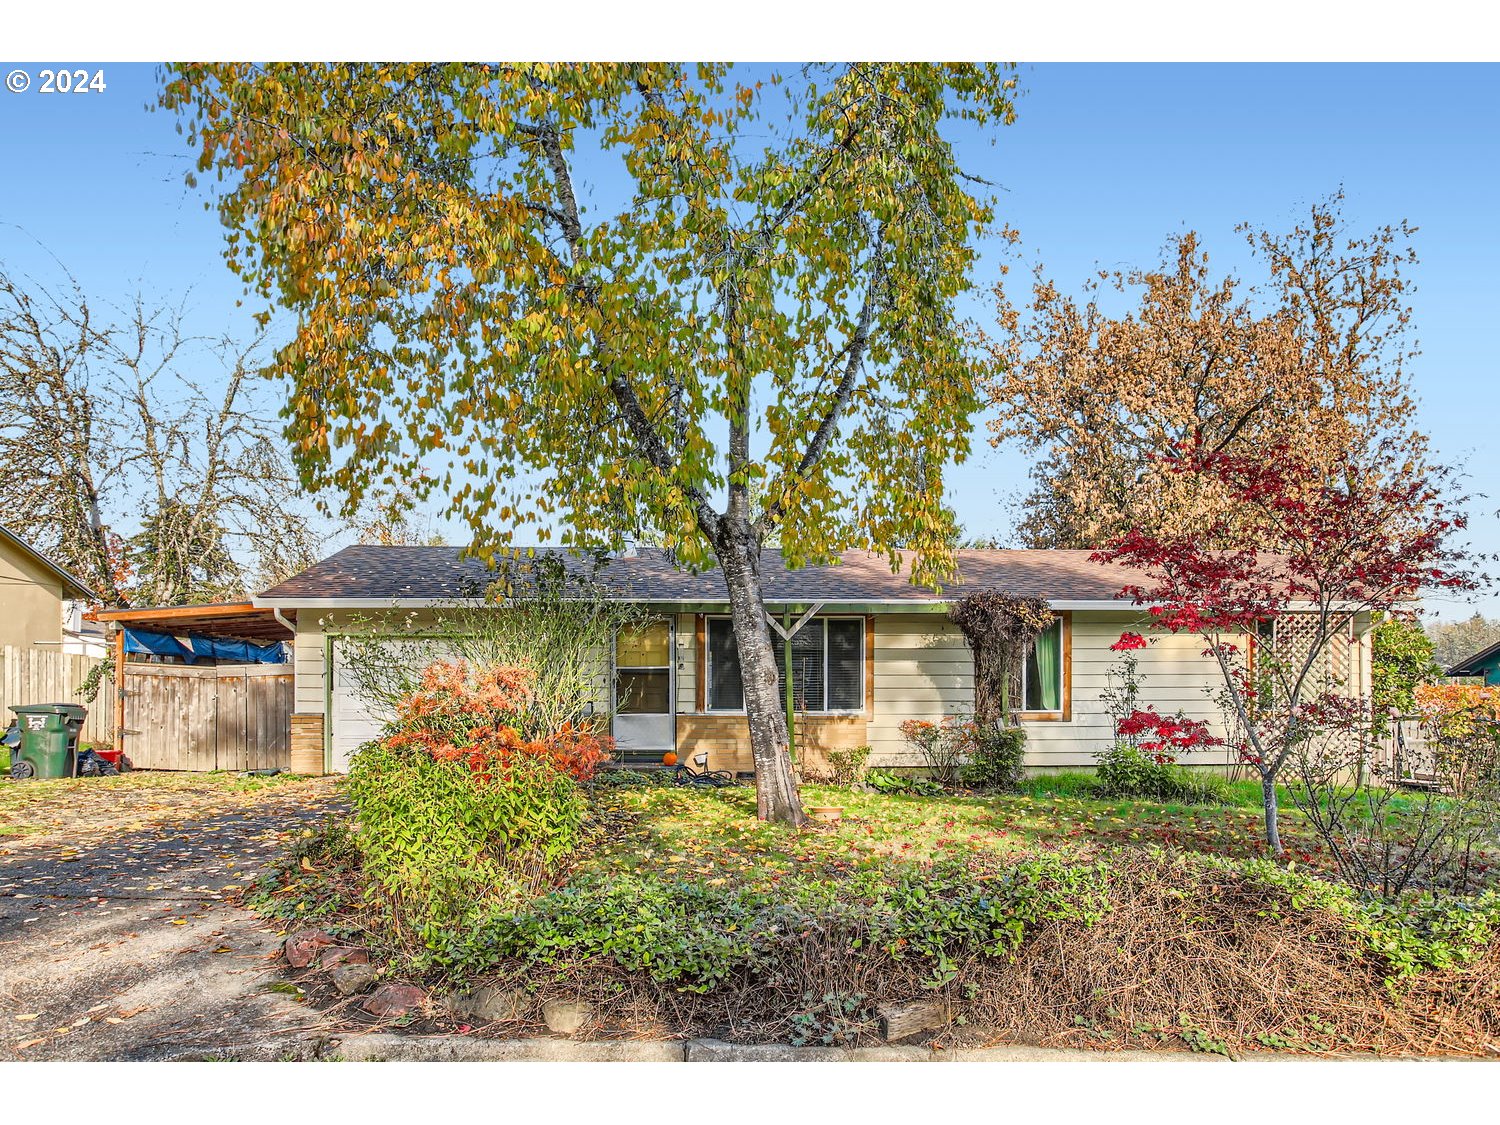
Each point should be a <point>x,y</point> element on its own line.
<point>128,945</point>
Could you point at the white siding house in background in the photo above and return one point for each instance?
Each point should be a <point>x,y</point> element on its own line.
<point>876,652</point>
<point>80,636</point>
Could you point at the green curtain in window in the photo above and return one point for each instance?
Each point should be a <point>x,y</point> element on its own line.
<point>1049,665</point>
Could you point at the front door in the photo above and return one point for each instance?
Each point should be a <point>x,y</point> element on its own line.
<point>645,726</point>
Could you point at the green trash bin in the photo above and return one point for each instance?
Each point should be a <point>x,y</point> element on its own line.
<point>49,739</point>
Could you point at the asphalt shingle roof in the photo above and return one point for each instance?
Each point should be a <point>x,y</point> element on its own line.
<point>369,573</point>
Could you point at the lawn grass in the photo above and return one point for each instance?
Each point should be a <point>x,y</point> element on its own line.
<point>714,835</point>
<point>1243,793</point>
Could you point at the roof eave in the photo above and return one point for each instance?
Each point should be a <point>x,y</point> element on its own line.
<point>1469,662</point>
<point>682,605</point>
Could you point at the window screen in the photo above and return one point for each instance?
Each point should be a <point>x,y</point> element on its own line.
<point>827,665</point>
<point>726,692</point>
<point>643,692</point>
<point>846,665</point>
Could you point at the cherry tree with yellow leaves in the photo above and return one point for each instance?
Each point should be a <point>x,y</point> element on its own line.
<point>619,297</point>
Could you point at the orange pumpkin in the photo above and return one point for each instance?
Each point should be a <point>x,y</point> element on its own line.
<point>669,759</point>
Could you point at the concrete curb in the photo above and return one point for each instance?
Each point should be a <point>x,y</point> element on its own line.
<point>386,1047</point>
<point>714,1050</point>
<point>377,1046</point>
<point>383,1047</point>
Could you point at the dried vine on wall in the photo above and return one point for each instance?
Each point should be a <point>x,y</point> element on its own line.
<point>999,629</point>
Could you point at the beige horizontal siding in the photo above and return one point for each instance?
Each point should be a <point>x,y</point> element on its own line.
<point>922,671</point>
<point>686,658</point>
<point>1174,676</point>
<point>307,663</point>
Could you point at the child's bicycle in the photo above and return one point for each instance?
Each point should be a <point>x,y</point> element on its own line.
<point>703,777</point>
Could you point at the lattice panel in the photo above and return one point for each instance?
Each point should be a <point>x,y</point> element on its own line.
<point>1294,636</point>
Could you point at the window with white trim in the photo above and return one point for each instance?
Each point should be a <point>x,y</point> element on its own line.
<point>1042,671</point>
<point>828,665</point>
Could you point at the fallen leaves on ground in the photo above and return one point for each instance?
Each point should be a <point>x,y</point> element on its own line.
<point>87,808</point>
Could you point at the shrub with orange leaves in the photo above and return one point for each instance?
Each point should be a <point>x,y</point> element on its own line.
<point>486,716</point>
<point>1462,726</point>
<point>1456,709</point>
<point>468,802</point>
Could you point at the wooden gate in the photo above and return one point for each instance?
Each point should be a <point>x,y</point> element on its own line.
<point>231,717</point>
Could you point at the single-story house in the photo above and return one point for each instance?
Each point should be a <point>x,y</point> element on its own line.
<point>1485,664</point>
<point>37,596</point>
<point>876,650</point>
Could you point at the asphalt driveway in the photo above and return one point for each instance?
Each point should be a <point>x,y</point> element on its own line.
<point>120,937</point>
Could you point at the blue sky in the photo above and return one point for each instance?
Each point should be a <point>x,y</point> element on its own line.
<point>1104,162</point>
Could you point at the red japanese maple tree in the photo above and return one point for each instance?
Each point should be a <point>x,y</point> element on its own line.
<point>1328,549</point>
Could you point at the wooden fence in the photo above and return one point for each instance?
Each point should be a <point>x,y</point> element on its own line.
<point>1406,754</point>
<point>43,675</point>
<point>230,717</point>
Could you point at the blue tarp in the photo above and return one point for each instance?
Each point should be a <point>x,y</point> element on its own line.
<point>197,648</point>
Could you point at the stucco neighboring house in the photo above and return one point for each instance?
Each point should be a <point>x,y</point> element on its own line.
<point>874,652</point>
<point>36,595</point>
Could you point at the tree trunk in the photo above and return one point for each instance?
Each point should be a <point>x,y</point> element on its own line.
<point>1268,801</point>
<point>775,788</point>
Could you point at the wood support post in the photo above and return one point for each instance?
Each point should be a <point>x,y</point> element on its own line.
<point>119,701</point>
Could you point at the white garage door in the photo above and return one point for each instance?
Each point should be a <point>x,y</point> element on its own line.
<point>356,720</point>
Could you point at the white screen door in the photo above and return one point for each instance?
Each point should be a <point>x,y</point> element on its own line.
<point>644,721</point>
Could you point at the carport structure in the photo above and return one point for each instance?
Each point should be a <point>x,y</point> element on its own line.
<point>210,713</point>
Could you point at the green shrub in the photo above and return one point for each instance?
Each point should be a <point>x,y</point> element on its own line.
<point>1430,931</point>
<point>441,841</point>
<point>847,767</point>
<point>1127,771</point>
<point>1433,931</point>
<point>950,911</point>
<point>888,781</point>
<point>996,759</point>
<point>696,936</point>
<point>687,934</point>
